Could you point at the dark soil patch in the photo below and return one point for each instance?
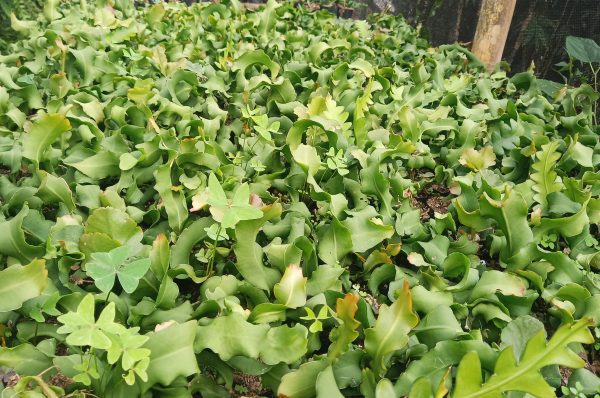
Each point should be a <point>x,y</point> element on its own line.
<point>595,367</point>
<point>251,386</point>
<point>489,261</point>
<point>60,380</point>
<point>10,378</point>
<point>430,200</point>
<point>61,350</point>
<point>565,374</point>
<point>540,311</point>
<point>438,205</point>
<point>281,196</point>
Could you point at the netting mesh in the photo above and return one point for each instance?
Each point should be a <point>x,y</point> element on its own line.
<point>538,30</point>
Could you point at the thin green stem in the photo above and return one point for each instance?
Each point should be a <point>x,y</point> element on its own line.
<point>595,73</point>
<point>214,252</point>
<point>304,195</point>
<point>250,152</point>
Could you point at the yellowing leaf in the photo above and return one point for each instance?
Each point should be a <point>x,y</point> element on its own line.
<point>291,289</point>
<point>307,157</point>
<point>345,333</point>
<point>478,160</point>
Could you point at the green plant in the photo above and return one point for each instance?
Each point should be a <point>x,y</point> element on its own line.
<point>510,375</point>
<point>83,330</point>
<point>104,267</point>
<point>586,51</point>
<point>288,204</point>
<point>317,320</point>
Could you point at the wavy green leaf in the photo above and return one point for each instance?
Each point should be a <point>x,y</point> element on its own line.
<point>510,375</point>
<point>20,283</point>
<point>545,178</point>
<point>391,329</point>
<point>250,254</point>
<point>44,132</point>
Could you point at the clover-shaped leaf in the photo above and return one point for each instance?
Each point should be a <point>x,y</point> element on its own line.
<point>317,324</point>
<point>134,359</point>
<point>213,230</point>
<point>230,211</point>
<point>104,267</point>
<point>88,371</point>
<point>84,330</point>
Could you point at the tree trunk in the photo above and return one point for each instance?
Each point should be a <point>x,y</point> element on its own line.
<point>492,30</point>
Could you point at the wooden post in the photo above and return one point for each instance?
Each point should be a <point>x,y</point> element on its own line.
<point>492,30</point>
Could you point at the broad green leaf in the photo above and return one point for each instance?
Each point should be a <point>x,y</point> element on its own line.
<point>230,336</point>
<point>256,57</point>
<point>101,165</point>
<point>44,132</point>
<point>384,389</point>
<point>15,245</point>
<point>518,332</point>
<point>25,359</point>
<point>284,344</point>
<point>566,226</point>
<point>194,233</point>
<point>494,281</point>
<point>307,157</point>
<point>160,256</point>
<point>174,201</point>
<point>435,363</point>
<point>374,183</point>
<point>300,383</point>
<point>335,242</point>
<point>436,250</point>
<point>172,354</point>
<point>326,386</point>
<point>391,329</point>
<point>409,123</point>
<point>54,189</point>
<point>250,254</point>
<point>438,325</point>
<point>324,278</point>
<point>115,224</point>
<point>367,229</point>
<point>510,215</point>
<point>20,283</point>
<point>583,49</point>
<point>510,375</point>
<point>291,289</point>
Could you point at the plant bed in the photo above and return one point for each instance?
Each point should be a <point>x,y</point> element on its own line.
<point>212,201</point>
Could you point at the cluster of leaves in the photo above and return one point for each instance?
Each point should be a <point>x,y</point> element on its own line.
<point>28,9</point>
<point>327,206</point>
